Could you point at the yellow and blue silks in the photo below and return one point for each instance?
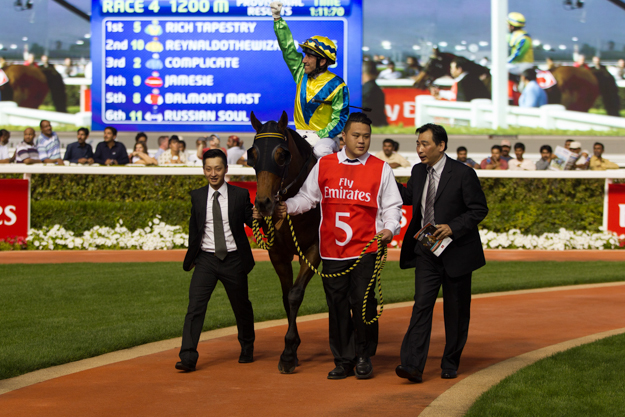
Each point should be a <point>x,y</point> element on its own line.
<point>327,120</point>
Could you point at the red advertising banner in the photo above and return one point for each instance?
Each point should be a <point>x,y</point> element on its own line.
<point>405,219</point>
<point>616,208</point>
<point>14,208</point>
<point>400,105</point>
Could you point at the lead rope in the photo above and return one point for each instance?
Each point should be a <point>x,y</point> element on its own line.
<point>380,260</point>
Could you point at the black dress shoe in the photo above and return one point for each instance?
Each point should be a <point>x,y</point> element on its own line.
<point>246,358</point>
<point>181,366</point>
<point>364,368</point>
<point>449,374</point>
<point>340,373</point>
<point>410,374</point>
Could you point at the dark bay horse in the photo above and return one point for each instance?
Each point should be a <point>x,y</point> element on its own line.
<point>577,88</point>
<point>282,160</point>
<point>29,85</point>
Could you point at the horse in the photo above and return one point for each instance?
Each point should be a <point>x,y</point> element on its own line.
<point>282,160</point>
<point>576,88</point>
<point>28,86</point>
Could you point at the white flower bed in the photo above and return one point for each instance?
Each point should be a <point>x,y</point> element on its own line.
<point>564,239</point>
<point>157,235</point>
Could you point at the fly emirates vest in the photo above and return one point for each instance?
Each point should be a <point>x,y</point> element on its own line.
<point>349,206</point>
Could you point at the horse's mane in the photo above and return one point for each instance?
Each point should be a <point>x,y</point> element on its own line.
<point>302,144</point>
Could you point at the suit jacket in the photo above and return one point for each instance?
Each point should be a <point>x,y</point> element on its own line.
<point>461,204</point>
<point>239,214</point>
<point>471,87</point>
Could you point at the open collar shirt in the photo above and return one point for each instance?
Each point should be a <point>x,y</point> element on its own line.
<point>48,147</point>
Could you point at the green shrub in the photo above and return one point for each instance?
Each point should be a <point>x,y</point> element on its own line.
<point>79,202</point>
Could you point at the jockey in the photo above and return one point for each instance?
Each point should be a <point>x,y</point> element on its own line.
<point>317,122</point>
<point>520,43</point>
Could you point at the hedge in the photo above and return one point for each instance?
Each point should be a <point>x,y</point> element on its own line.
<point>79,202</point>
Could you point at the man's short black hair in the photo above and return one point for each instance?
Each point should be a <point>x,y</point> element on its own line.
<point>439,134</point>
<point>459,62</point>
<point>496,147</point>
<point>141,135</point>
<point>546,148</point>
<point>173,138</point>
<point>530,74</point>
<point>568,141</point>
<point>460,149</point>
<point>519,145</point>
<point>396,146</point>
<point>41,122</point>
<point>214,153</point>
<point>356,118</point>
<point>112,129</point>
<point>3,132</point>
<point>83,129</point>
<point>600,144</point>
<point>388,140</point>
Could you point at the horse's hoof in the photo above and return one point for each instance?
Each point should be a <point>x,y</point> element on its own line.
<point>287,368</point>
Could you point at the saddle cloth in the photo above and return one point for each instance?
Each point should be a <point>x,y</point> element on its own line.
<point>545,79</point>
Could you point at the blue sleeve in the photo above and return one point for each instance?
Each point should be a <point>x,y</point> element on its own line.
<point>98,158</point>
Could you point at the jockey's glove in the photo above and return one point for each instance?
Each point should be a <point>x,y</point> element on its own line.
<point>276,9</point>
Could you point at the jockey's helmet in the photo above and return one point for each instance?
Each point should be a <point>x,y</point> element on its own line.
<point>321,47</point>
<point>516,19</point>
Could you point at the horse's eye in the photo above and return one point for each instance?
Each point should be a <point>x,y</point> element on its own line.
<point>282,157</point>
<point>252,156</point>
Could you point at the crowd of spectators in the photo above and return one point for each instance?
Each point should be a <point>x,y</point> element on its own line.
<point>46,148</point>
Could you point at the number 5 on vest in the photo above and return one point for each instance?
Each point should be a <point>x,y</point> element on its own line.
<point>345,227</point>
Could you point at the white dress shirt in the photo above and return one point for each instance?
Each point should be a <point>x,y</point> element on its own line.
<point>389,199</point>
<point>438,170</point>
<point>208,241</point>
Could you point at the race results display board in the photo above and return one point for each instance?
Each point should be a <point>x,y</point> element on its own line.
<point>202,65</point>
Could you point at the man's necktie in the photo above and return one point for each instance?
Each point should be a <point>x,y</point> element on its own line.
<point>428,213</point>
<point>218,228</point>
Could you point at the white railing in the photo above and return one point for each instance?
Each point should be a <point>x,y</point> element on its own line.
<point>479,113</point>
<point>11,114</point>
<point>247,171</point>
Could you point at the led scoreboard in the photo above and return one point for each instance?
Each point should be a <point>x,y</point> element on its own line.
<point>193,65</point>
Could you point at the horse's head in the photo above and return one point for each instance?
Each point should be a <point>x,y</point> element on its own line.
<point>436,67</point>
<point>270,157</point>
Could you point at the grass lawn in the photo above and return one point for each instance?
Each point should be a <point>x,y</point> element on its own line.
<point>58,313</point>
<point>583,381</point>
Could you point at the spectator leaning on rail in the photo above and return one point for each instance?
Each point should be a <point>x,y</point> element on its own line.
<point>80,152</point>
<point>26,151</point>
<point>48,144</point>
<point>110,152</point>
<point>505,150</point>
<point>173,155</point>
<point>163,145</point>
<point>317,122</point>
<point>582,161</point>
<point>598,162</point>
<point>545,158</point>
<point>531,93</point>
<point>461,156</point>
<point>388,155</point>
<point>390,73</point>
<point>236,152</point>
<point>140,155</point>
<point>520,163</point>
<point>5,158</point>
<point>494,161</point>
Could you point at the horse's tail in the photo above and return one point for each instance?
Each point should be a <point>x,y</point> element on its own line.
<point>609,91</point>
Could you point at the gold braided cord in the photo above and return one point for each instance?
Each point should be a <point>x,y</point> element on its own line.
<point>271,233</point>
<point>269,135</point>
<point>380,261</point>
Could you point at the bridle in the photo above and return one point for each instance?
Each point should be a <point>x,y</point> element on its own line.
<point>271,142</point>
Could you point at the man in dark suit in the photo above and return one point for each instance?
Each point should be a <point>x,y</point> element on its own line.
<point>219,250</point>
<point>448,194</point>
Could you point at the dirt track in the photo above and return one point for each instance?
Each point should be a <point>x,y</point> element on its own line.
<point>502,327</point>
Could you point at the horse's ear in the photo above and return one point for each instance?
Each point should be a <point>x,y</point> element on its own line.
<point>283,122</point>
<point>256,124</point>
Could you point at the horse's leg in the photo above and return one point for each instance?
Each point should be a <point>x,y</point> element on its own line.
<point>284,269</point>
<point>288,359</point>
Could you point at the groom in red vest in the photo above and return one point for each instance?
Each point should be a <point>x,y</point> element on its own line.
<point>359,200</point>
